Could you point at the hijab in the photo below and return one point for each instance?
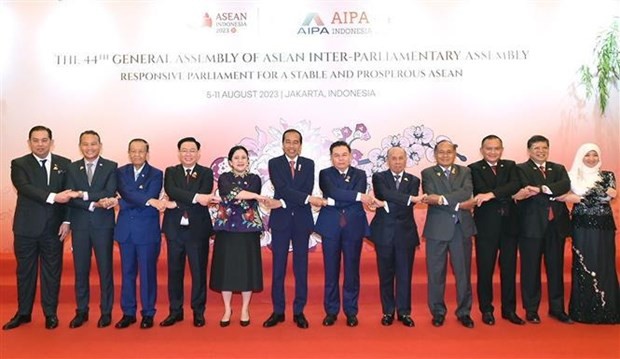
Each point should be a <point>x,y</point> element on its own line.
<point>582,177</point>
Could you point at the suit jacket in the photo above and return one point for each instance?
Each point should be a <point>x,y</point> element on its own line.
<point>441,219</point>
<point>293,191</point>
<point>488,217</point>
<point>534,211</point>
<point>136,220</point>
<point>182,192</point>
<point>346,211</point>
<point>103,185</point>
<point>397,227</point>
<point>32,212</point>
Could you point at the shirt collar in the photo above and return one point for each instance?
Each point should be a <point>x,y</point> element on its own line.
<point>48,158</point>
<point>94,162</point>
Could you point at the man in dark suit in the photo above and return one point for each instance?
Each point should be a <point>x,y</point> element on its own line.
<point>187,225</point>
<point>342,225</point>
<point>138,233</point>
<point>544,226</point>
<point>92,225</point>
<point>38,227</point>
<point>291,220</point>
<point>495,180</point>
<point>448,230</point>
<point>395,235</point>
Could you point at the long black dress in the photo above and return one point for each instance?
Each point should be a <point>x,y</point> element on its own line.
<point>595,293</point>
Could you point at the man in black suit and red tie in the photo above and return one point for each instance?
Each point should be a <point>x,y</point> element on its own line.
<point>495,180</point>
<point>342,225</point>
<point>187,226</point>
<point>291,221</point>
<point>92,226</point>
<point>38,228</point>
<point>395,236</point>
<point>544,226</point>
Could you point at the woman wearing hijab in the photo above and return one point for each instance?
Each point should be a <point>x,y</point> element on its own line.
<point>595,294</point>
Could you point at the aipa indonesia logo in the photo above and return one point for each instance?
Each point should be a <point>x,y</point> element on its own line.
<point>342,23</point>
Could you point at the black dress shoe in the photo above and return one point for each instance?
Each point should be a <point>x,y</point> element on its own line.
<point>330,319</point>
<point>562,317</point>
<point>387,319</point>
<point>147,322</point>
<point>51,322</point>
<point>225,323</point>
<point>352,320</point>
<point>16,321</point>
<point>199,320</point>
<point>513,318</point>
<point>532,317</point>
<point>438,320</point>
<point>301,321</point>
<point>466,321</point>
<point>78,320</point>
<point>104,321</point>
<point>171,319</point>
<point>125,321</point>
<point>273,319</point>
<point>488,318</point>
<point>406,320</point>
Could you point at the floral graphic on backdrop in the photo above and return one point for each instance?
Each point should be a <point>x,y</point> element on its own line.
<point>418,140</point>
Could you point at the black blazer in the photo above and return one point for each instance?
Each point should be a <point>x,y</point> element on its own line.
<point>533,212</point>
<point>397,227</point>
<point>32,211</point>
<point>103,186</point>
<point>488,217</point>
<point>179,190</point>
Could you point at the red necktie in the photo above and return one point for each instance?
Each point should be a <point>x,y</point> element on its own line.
<point>292,164</point>
<point>494,169</point>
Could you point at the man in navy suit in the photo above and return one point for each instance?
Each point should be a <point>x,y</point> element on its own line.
<point>92,226</point>
<point>291,220</point>
<point>395,236</point>
<point>448,230</point>
<point>138,233</point>
<point>342,225</point>
<point>544,226</point>
<point>38,227</point>
<point>187,225</point>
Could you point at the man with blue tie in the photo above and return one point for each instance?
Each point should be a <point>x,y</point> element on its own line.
<point>448,230</point>
<point>342,225</point>
<point>291,220</point>
<point>138,233</point>
<point>38,228</point>
<point>92,226</point>
<point>395,235</point>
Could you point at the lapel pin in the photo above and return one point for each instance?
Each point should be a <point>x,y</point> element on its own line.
<point>347,179</point>
<point>81,168</point>
<point>141,187</point>
<point>405,179</point>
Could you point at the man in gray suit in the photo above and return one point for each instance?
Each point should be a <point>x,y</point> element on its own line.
<point>448,229</point>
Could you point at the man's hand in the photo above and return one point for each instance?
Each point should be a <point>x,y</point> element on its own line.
<point>418,199</point>
<point>317,201</point>
<point>432,199</point>
<point>522,194</point>
<point>65,196</point>
<point>468,205</point>
<point>367,199</point>
<point>63,231</point>
<point>207,199</point>
<point>270,203</point>
<point>483,197</point>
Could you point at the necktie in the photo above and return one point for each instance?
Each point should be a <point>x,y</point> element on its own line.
<point>44,169</point>
<point>136,175</point>
<point>446,172</point>
<point>89,172</point>
<point>292,165</point>
<point>550,215</point>
<point>397,181</point>
<point>494,169</point>
<point>343,174</point>
<point>188,173</point>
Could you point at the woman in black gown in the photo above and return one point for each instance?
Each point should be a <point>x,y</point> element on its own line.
<point>595,294</point>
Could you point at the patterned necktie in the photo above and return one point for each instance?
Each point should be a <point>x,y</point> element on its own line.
<point>292,165</point>
<point>89,172</point>
<point>542,170</point>
<point>397,181</point>
<point>446,172</point>
<point>44,169</point>
<point>494,169</point>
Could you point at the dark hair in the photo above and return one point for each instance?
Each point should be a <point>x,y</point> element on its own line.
<point>89,132</point>
<point>338,144</point>
<point>188,139</point>
<point>454,145</point>
<point>492,137</point>
<point>537,138</point>
<point>235,149</point>
<point>292,130</point>
<point>40,128</point>
<point>138,140</point>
